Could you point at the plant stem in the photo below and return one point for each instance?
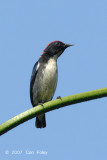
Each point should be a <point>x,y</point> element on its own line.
<point>51,105</point>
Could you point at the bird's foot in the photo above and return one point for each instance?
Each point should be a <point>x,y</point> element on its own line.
<point>59,97</point>
<point>40,104</point>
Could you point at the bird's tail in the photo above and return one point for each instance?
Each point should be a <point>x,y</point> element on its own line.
<point>40,121</point>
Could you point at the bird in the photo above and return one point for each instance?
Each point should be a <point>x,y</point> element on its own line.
<point>44,77</point>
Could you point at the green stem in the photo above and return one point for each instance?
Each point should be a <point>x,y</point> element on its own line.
<point>51,105</point>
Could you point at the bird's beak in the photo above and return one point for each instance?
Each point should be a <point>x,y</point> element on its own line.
<point>68,45</point>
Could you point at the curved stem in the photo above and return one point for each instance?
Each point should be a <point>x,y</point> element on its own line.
<point>51,105</point>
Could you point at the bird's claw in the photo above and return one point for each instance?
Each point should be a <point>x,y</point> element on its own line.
<point>40,104</point>
<point>59,97</point>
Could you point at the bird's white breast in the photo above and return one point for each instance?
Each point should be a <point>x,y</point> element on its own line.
<point>49,79</point>
<point>51,68</point>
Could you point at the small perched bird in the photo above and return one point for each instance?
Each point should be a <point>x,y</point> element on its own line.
<point>44,77</point>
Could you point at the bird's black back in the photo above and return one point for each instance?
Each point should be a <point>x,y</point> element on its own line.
<point>32,80</point>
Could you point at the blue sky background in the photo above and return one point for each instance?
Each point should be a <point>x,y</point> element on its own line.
<point>26,27</point>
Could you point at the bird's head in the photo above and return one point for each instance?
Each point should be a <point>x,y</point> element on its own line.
<point>55,49</point>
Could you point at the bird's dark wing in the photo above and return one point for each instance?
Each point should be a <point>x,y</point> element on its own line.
<point>32,80</point>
